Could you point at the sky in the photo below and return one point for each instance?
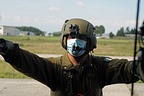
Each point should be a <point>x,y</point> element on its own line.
<point>49,15</point>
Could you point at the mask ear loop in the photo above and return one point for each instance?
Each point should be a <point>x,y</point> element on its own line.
<point>91,52</point>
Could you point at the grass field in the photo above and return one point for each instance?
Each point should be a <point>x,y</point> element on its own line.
<point>51,45</point>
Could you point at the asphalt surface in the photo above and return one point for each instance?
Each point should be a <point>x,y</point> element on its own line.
<point>30,87</point>
<point>57,55</point>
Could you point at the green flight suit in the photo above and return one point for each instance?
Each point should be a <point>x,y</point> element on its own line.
<point>65,79</point>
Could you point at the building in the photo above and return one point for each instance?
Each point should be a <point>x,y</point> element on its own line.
<point>13,31</point>
<point>105,36</point>
<point>9,31</point>
<point>49,34</point>
<point>26,33</point>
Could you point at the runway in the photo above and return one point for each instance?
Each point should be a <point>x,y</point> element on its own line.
<point>30,87</point>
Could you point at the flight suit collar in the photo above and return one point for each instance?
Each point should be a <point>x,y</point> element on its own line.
<point>67,63</point>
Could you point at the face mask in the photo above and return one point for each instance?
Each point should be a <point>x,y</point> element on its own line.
<point>76,47</point>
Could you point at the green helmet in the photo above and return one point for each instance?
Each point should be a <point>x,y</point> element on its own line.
<point>83,27</point>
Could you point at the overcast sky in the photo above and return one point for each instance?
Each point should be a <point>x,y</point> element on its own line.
<point>49,15</point>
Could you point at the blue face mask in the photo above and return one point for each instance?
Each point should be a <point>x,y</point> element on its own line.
<point>76,47</point>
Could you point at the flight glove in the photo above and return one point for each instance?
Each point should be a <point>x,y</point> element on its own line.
<point>5,46</point>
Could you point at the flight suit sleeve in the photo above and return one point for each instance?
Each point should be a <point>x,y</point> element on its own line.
<point>119,71</point>
<point>44,70</point>
<point>139,64</point>
<point>140,70</point>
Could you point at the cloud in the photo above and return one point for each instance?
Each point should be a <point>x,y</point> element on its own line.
<point>54,8</point>
<point>0,17</point>
<point>80,3</point>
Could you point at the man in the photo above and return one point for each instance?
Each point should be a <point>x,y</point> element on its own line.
<point>77,72</point>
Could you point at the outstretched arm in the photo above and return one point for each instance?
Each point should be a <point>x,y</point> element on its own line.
<point>43,70</point>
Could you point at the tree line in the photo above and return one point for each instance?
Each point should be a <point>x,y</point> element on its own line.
<point>100,30</point>
<point>36,31</point>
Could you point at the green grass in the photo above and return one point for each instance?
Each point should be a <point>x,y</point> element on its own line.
<point>51,45</point>
<point>39,44</point>
<point>114,47</point>
<point>6,71</point>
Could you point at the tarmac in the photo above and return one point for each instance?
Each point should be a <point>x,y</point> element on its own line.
<point>31,87</point>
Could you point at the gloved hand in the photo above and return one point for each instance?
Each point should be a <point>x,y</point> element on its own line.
<point>2,45</point>
<point>5,46</point>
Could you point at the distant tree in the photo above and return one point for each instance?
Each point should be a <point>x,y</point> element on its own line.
<point>130,31</point>
<point>36,31</point>
<point>102,29</point>
<point>127,31</point>
<point>133,31</point>
<point>120,32</point>
<point>56,33</point>
<point>111,35</point>
<point>99,29</point>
